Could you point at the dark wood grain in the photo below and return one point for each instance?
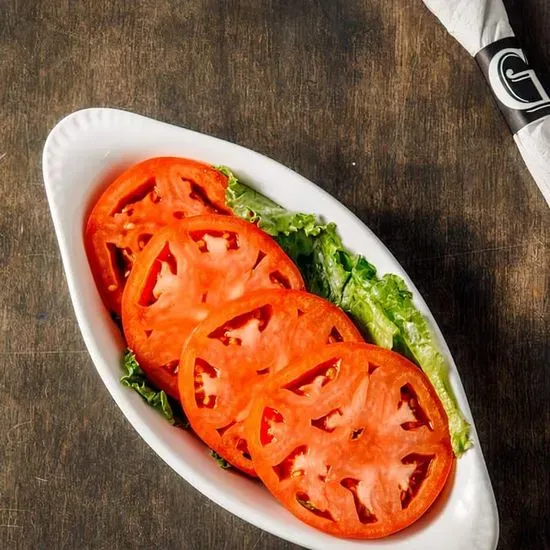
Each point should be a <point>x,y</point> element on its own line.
<point>372,100</point>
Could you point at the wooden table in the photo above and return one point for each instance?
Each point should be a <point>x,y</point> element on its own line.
<point>372,100</point>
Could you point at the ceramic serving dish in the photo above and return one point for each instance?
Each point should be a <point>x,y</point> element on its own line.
<point>82,154</point>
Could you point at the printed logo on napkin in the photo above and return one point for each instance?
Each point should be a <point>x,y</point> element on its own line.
<point>520,94</point>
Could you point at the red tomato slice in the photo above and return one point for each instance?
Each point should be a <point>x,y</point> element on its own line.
<point>234,351</point>
<point>352,439</point>
<point>186,272</point>
<point>144,198</point>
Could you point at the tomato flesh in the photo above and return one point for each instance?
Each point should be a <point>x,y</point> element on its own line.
<point>352,439</point>
<point>234,351</point>
<point>143,199</point>
<point>186,272</point>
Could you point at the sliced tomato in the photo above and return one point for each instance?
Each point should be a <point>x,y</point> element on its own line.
<point>186,272</point>
<point>144,198</point>
<point>235,350</point>
<point>352,439</point>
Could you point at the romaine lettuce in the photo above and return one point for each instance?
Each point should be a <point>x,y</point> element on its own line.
<point>136,379</point>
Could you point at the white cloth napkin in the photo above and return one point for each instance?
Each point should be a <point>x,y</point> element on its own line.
<point>476,24</point>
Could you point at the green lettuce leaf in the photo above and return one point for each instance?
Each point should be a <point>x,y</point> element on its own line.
<point>135,379</point>
<point>222,463</point>
<point>358,300</point>
<point>298,246</point>
<point>331,265</point>
<point>272,218</point>
<point>416,341</point>
<point>346,279</point>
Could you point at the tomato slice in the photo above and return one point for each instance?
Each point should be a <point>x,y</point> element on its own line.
<point>186,272</point>
<point>352,439</point>
<point>235,350</point>
<point>144,198</point>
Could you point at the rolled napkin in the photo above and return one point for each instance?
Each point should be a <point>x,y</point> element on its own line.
<point>483,28</point>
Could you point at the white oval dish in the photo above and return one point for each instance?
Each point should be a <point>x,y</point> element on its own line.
<point>82,153</point>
